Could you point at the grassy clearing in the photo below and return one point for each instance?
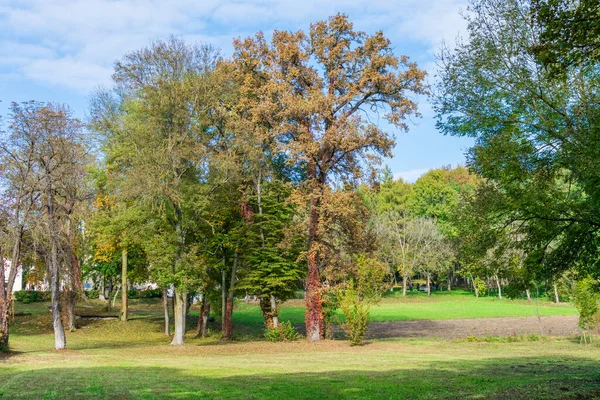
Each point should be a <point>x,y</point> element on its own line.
<point>108,359</point>
<point>443,305</point>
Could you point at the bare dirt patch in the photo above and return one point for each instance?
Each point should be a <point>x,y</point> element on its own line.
<point>462,328</point>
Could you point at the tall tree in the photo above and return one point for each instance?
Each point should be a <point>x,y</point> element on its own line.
<point>158,142</point>
<point>537,136</point>
<point>58,158</point>
<point>312,94</point>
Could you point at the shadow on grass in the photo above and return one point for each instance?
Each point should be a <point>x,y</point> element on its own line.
<point>539,378</point>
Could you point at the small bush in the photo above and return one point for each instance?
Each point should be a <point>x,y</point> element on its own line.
<point>31,296</point>
<point>93,294</point>
<point>356,312</point>
<point>145,294</point>
<point>480,286</point>
<point>284,332</point>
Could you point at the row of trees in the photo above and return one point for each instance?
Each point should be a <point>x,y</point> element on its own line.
<point>257,174</point>
<point>213,174</point>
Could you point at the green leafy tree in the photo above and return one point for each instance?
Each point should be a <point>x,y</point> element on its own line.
<point>536,136</point>
<point>307,92</point>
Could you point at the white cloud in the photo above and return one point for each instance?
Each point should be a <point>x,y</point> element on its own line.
<point>411,175</point>
<point>73,43</point>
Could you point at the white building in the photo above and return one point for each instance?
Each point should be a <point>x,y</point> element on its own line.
<point>19,278</point>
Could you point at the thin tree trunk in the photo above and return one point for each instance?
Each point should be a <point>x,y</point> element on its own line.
<point>428,286</point>
<point>114,300</point>
<point>60,340</point>
<point>125,294</point>
<point>203,318</point>
<point>528,293</point>
<point>228,325</point>
<point>102,291</point>
<point>3,308</point>
<point>223,297</point>
<point>499,288</point>
<point>556,297</point>
<point>165,300</point>
<point>7,289</point>
<point>180,300</point>
<point>274,312</point>
<point>404,286</point>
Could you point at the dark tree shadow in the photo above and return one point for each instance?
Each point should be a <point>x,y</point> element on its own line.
<point>517,378</point>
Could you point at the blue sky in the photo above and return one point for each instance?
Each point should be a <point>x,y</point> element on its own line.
<point>60,50</point>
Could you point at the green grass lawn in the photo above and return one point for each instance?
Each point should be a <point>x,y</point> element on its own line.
<point>115,360</point>
<point>109,359</point>
<point>442,305</point>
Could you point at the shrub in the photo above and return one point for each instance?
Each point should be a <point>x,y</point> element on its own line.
<point>31,296</point>
<point>92,294</point>
<point>586,301</point>
<point>356,312</point>
<point>145,294</point>
<point>284,332</point>
<point>480,286</point>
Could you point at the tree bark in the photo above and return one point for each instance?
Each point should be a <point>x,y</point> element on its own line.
<point>404,286</point>
<point>180,300</point>
<point>528,293</point>
<point>165,300</point>
<point>203,318</point>
<point>3,308</point>
<point>223,297</point>
<point>125,292</point>
<point>60,340</point>
<point>556,297</point>
<point>315,328</point>
<point>265,307</point>
<point>274,312</point>
<point>228,321</point>
<point>69,298</point>
<point>428,286</point>
<point>499,288</point>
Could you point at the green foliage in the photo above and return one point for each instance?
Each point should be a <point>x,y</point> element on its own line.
<point>356,312</point>
<point>92,294</point>
<point>145,294</point>
<point>586,298</point>
<point>537,134</point>
<point>31,296</point>
<point>285,332</point>
<point>480,286</point>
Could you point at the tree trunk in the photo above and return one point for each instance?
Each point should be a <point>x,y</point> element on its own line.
<point>265,307</point>
<point>499,288</point>
<point>556,297</point>
<point>274,312</point>
<point>315,328</point>
<point>102,291</point>
<point>528,293</point>
<point>404,286</point>
<point>69,298</point>
<point>60,340</point>
<point>165,299</point>
<point>203,318</point>
<point>125,292</point>
<point>3,308</point>
<point>223,296</point>
<point>180,300</point>
<point>228,321</point>
<point>428,285</point>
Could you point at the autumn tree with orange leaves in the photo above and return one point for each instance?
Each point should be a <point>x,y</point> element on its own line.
<point>313,96</point>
